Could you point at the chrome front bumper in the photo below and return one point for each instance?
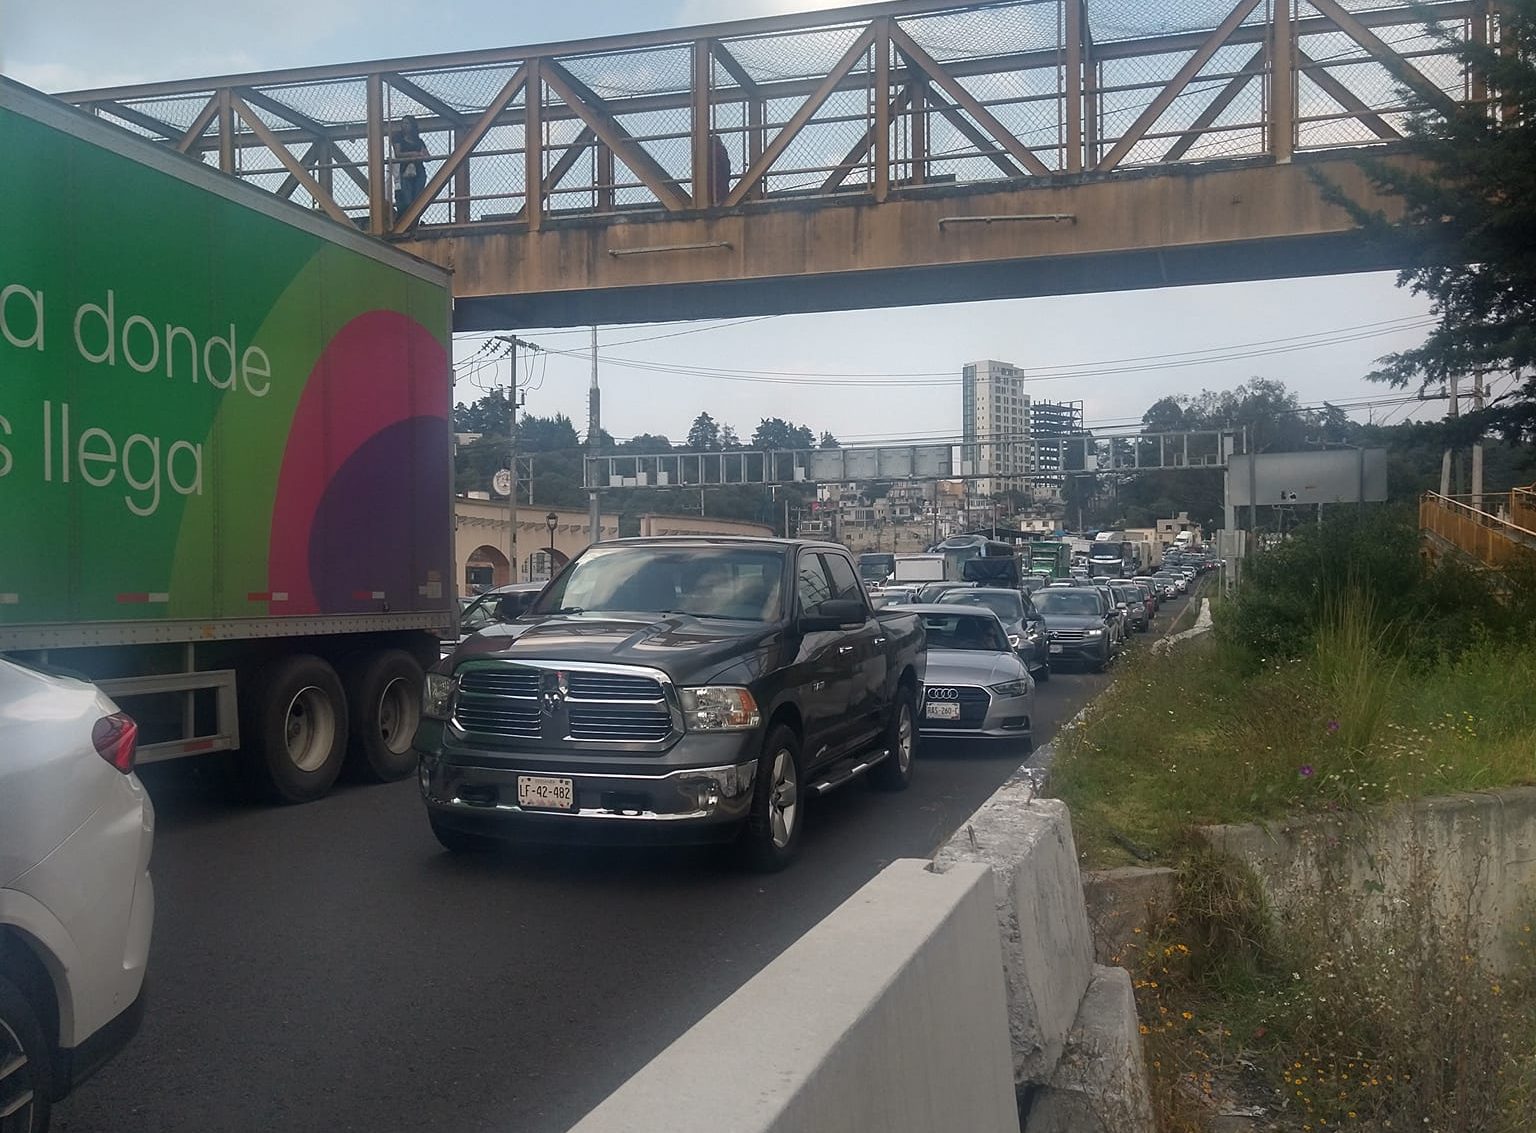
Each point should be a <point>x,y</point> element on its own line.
<point>487,796</point>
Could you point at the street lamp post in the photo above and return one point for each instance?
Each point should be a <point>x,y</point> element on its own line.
<point>551,521</point>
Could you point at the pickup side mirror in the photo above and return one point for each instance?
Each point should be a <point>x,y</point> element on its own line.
<point>834,613</point>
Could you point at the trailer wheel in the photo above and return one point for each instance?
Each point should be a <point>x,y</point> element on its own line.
<point>384,706</point>
<point>294,728</point>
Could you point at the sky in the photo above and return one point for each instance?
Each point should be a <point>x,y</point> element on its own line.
<point>868,376</point>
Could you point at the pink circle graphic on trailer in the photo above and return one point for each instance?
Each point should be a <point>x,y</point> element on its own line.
<point>365,476</point>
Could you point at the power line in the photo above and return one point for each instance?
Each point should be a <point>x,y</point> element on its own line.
<point>491,336</point>
<point>1068,372</point>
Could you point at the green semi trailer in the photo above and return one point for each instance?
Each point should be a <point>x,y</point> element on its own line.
<point>224,454</point>
<point>1051,557</point>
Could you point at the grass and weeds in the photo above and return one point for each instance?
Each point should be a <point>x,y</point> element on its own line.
<point>1325,1027</point>
<point>1344,673</point>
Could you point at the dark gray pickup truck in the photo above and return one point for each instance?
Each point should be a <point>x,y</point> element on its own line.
<point>687,689</point>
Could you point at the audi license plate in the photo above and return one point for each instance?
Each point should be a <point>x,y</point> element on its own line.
<point>1055,649</point>
<point>939,710</point>
<point>536,791</point>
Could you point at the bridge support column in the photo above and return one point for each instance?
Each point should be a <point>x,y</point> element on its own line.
<point>533,145</point>
<point>1283,84</point>
<point>882,138</point>
<point>1074,86</point>
<point>705,191</point>
<point>378,195</point>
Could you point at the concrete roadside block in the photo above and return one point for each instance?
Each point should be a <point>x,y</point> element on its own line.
<point>888,1015</point>
<point>1047,946</point>
<point>1100,1084</point>
<point>1123,906</point>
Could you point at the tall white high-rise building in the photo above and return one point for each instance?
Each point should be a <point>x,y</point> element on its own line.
<point>995,423</point>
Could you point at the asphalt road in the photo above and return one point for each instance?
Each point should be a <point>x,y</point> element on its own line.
<point>329,968</point>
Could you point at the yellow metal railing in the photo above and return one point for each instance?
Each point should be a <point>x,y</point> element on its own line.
<point>1522,507</point>
<point>1492,540</point>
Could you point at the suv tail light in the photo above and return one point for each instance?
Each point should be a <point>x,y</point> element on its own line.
<point>116,739</point>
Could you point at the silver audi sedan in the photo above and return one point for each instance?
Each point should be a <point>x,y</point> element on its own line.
<point>977,686</point>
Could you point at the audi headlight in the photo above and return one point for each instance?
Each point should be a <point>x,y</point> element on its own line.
<point>437,696</point>
<point>719,708</point>
<point>1011,688</point>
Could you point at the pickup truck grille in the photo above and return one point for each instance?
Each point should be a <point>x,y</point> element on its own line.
<point>557,706</point>
<point>520,683</point>
<point>504,720</point>
<point>612,724</point>
<point>612,686</point>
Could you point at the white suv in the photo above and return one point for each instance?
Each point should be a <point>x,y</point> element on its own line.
<point>76,901</point>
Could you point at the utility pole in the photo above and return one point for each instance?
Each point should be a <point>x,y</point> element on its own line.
<point>1477,446</point>
<point>1253,485</point>
<point>513,342</point>
<point>594,448</point>
<point>1448,461</point>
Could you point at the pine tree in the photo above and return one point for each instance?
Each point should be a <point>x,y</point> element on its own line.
<point>1468,233</point>
<point>704,434</point>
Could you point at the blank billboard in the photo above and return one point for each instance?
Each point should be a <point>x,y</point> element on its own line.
<point>1338,476</point>
<point>922,462</point>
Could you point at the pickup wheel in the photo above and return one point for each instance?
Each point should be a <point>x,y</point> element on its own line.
<point>384,706</point>
<point>894,772</point>
<point>26,1074</point>
<point>294,727</point>
<point>771,836</point>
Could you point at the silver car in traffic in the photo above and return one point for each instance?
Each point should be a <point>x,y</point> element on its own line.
<point>977,687</point>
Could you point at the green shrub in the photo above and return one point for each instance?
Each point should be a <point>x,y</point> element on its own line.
<point>1374,553</point>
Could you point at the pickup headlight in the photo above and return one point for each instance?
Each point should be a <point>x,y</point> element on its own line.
<point>437,696</point>
<point>1011,688</point>
<point>1014,640</point>
<point>719,708</point>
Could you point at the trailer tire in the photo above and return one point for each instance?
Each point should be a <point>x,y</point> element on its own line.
<point>294,727</point>
<point>384,707</point>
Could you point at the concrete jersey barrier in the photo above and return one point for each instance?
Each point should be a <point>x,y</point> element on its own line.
<point>887,1016</point>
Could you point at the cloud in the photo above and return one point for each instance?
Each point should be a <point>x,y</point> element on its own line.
<point>720,11</point>
<point>168,39</point>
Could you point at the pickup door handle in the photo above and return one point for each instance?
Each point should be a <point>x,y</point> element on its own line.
<point>845,649</point>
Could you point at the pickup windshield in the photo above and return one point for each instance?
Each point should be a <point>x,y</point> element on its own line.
<point>743,583</point>
<point>1078,602</point>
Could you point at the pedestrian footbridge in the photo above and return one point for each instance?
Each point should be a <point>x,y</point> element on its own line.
<point>887,154</point>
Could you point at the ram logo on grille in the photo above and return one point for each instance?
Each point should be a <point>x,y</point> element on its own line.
<point>556,687</point>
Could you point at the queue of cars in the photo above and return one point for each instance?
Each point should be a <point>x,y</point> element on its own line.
<point>701,689</point>
<point>691,689</point>
<point>1078,619</point>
